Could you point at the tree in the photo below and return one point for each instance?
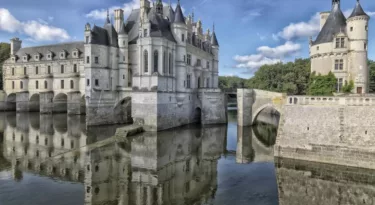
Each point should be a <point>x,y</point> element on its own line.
<point>324,85</point>
<point>4,55</point>
<point>347,88</point>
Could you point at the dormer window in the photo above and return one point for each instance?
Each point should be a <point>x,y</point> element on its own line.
<point>340,42</point>
<point>62,55</point>
<point>37,57</point>
<point>25,58</point>
<point>13,59</point>
<point>75,53</point>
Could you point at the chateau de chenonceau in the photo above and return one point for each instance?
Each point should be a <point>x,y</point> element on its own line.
<point>157,68</point>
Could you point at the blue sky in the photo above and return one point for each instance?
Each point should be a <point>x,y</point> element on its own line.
<point>250,32</point>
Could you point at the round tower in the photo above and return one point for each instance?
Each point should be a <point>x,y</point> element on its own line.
<point>179,29</point>
<point>357,30</point>
<point>215,63</point>
<point>125,76</point>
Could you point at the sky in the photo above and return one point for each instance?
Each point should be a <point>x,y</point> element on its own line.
<point>251,33</point>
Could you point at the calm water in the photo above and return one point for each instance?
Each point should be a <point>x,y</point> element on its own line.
<point>48,160</point>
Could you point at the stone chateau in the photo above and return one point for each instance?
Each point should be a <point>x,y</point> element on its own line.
<point>157,68</point>
<point>341,47</point>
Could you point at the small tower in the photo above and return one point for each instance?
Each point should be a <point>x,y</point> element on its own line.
<point>179,29</point>
<point>215,52</point>
<point>124,74</point>
<point>87,33</point>
<point>144,7</point>
<point>357,30</point>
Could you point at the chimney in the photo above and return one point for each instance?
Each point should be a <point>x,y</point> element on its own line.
<point>15,45</point>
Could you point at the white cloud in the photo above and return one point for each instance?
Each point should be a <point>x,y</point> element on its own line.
<point>370,13</point>
<point>102,13</point>
<point>301,29</point>
<point>36,30</point>
<point>261,37</point>
<point>267,55</point>
<point>250,15</point>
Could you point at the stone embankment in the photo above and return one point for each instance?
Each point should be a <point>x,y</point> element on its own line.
<point>335,130</point>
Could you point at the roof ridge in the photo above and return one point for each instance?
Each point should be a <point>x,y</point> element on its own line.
<point>56,44</point>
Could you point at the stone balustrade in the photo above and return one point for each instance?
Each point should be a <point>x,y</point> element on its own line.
<point>331,100</point>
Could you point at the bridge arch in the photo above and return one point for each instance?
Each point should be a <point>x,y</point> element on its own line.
<point>60,103</point>
<point>263,107</point>
<point>198,115</point>
<point>34,103</point>
<point>11,102</point>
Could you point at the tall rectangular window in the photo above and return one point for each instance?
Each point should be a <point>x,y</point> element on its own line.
<point>170,63</point>
<point>339,84</point>
<point>145,33</point>
<point>49,69</point>
<point>36,70</point>
<point>75,68</point>
<point>24,70</point>
<point>21,85</point>
<point>188,61</point>
<point>88,82</point>
<point>62,68</point>
<point>342,42</point>
<point>339,64</point>
<point>188,81</point>
<point>87,39</point>
<point>71,84</point>
<point>199,62</point>
<point>183,37</point>
<point>62,84</point>
<point>12,84</point>
<point>96,82</point>
<point>208,82</point>
<point>97,60</point>
<point>37,84</point>
<point>208,64</point>
<point>12,71</point>
<point>88,59</point>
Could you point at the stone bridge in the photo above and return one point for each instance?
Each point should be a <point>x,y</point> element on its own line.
<point>251,102</point>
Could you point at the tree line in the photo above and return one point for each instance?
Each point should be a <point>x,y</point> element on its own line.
<point>293,78</point>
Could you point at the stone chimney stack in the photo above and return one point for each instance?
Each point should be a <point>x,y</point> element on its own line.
<point>15,45</point>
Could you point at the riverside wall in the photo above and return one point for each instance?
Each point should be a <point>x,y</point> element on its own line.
<point>334,130</point>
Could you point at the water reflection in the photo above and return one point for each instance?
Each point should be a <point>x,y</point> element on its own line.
<point>255,144</point>
<point>310,183</point>
<point>178,166</point>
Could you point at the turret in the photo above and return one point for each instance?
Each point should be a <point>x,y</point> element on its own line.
<point>15,45</point>
<point>159,7</point>
<point>87,33</point>
<point>124,78</point>
<point>215,52</point>
<point>144,7</point>
<point>357,30</point>
<point>179,29</point>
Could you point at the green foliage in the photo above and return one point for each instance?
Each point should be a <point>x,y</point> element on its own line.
<point>4,55</point>
<point>291,78</point>
<point>324,85</point>
<point>230,82</point>
<point>371,67</point>
<point>347,88</point>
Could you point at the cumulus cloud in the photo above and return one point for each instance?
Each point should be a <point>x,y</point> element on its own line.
<point>301,29</point>
<point>267,55</point>
<point>38,30</point>
<point>102,13</point>
<point>250,15</point>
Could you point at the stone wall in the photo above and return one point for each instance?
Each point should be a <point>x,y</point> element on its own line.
<point>338,130</point>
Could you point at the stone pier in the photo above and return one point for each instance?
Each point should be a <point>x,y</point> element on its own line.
<point>46,102</point>
<point>22,101</point>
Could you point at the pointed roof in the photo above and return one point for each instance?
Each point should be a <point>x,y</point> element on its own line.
<point>179,16</point>
<point>107,21</point>
<point>358,11</point>
<point>336,23</point>
<point>122,30</point>
<point>214,41</point>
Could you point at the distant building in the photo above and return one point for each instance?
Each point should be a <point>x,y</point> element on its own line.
<point>156,68</point>
<point>341,47</point>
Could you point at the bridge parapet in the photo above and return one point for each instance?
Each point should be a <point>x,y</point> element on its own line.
<point>330,100</point>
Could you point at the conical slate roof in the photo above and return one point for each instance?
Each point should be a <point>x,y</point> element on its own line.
<point>336,23</point>
<point>122,30</point>
<point>179,16</point>
<point>358,11</point>
<point>214,41</point>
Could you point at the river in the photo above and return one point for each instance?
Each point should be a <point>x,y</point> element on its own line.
<point>56,160</point>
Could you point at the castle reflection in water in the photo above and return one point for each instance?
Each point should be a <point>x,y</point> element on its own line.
<point>178,165</point>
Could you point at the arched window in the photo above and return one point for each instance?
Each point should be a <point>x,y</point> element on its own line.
<point>164,62</point>
<point>145,59</point>
<point>170,64</point>
<point>37,84</point>
<point>45,85</point>
<point>156,61</point>
<point>71,84</point>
